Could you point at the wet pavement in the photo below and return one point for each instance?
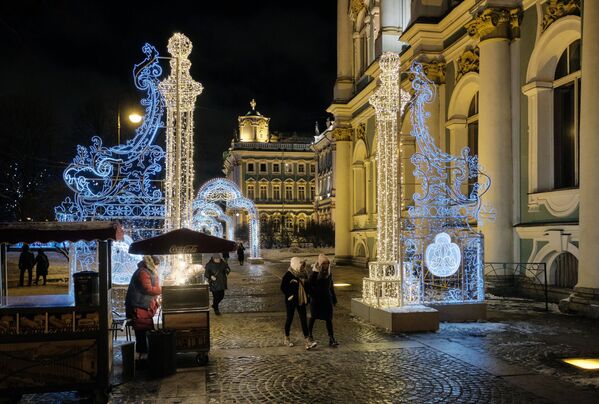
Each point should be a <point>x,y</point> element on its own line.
<point>511,358</point>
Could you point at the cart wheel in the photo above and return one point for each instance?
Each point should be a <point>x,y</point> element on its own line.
<point>202,359</point>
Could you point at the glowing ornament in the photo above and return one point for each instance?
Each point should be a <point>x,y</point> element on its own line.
<point>442,257</point>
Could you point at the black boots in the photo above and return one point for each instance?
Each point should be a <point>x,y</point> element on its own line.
<point>333,341</point>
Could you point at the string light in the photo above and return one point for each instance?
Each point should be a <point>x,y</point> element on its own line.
<point>224,190</point>
<point>204,208</point>
<point>180,92</point>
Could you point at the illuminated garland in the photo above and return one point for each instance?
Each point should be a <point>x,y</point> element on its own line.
<point>180,92</point>
<point>224,190</point>
<point>204,208</point>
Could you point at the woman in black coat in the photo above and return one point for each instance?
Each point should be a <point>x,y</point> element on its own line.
<point>322,295</point>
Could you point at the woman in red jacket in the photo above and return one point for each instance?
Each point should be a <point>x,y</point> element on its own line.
<point>141,302</point>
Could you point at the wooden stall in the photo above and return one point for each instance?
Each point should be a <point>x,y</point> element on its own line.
<point>48,342</point>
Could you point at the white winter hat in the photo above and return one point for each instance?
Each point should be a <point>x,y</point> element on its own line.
<point>296,263</point>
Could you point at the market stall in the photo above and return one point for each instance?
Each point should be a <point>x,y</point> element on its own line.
<point>57,342</point>
<point>185,295</point>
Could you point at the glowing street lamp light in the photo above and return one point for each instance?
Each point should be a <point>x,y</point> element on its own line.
<point>135,118</point>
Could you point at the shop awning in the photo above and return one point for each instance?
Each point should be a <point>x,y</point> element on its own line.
<point>44,232</point>
<point>182,241</point>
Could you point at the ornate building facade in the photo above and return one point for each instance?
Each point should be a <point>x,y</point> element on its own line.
<point>516,83</point>
<point>277,172</point>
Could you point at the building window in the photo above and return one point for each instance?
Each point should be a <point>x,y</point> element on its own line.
<point>301,223</point>
<point>263,194</point>
<point>301,192</point>
<point>276,168</point>
<point>312,168</point>
<point>288,168</point>
<point>472,122</point>
<point>301,169</point>
<point>250,192</point>
<point>276,192</point>
<point>289,192</point>
<point>566,271</point>
<point>262,167</point>
<point>289,222</point>
<point>566,117</point>
<point>312,192</point>
<point>276,224</point>
<point>250,167</point>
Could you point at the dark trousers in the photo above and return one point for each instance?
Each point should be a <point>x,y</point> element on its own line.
<point>37,279</point>
<point>141,343</point>
<point>29,270</point>
<point>329,326</point>
<point>301,311</point>
<point>240,258</point>
<point>217,297</point>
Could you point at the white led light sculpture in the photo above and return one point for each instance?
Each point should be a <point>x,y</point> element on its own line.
<point>204,208</point>
<point>441,255</point>
<point>224,190</point>
<point>180,92</point>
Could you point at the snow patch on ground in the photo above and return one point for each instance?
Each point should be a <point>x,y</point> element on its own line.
<point>285,254</point>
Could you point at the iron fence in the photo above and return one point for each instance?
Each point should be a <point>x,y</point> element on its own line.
<point>517,279</point>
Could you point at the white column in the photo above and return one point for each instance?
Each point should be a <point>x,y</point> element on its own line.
<point>344,83</point>
<point>495,145</point>
<point>342,194</point>
<point>394,19</point>
<point>588,270</point>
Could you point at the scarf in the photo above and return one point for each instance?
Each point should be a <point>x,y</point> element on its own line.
<point>302,297</point>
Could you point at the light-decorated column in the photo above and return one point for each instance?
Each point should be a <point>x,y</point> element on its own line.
<point>496,27</point>
<point>585,300</point>
<point>342,208</point>
<point>180,92</point>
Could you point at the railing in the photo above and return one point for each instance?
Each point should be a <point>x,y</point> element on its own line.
<point>272,146</point>
<point>509,278</point>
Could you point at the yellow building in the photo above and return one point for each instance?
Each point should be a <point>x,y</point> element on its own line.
<point>275,171</point>
<point>516,83</point>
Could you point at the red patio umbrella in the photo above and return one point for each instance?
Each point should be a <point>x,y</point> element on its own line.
<point>182,241</point>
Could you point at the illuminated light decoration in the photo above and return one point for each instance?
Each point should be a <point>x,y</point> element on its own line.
<point>224,190</point>
<point>436,270</point>
<point>212,209</point>
<point>123,263</point>
<point>180,92</point>
<point>382,288</point>
<point>442,258</point>
<point>207,224</point>
<point>120,182</point>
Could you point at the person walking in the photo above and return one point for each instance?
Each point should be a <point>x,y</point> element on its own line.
<point>226,256</point>
<point>41,266</point>
<point>216,274</point>
<point>26,263</point>
<point>240,253</point>
<point>296,299</point>
<point>141,301</point>
<point>322,296</point>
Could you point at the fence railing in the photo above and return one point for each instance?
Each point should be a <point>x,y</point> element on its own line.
<point>511,278</point>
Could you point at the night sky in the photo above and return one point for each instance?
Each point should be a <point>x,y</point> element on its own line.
<point>66,69</point>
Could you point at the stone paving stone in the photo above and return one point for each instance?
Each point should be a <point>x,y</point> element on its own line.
<point>415,375</point>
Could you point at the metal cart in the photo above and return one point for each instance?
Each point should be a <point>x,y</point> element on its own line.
<point>185,310</point>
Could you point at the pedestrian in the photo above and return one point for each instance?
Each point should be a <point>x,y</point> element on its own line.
<point>26,263</point>
<point>240,253</point>
<point>216,274</point>
<point>41,266</point>
<point>296,299</point>
<point>141,302</point>
<point>226,256</point>
<point>322,296</point>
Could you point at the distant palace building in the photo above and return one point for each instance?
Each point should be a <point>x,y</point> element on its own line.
<point>275,171</point>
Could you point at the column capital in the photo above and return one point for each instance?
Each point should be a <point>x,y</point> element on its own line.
<point>496,22</point>
<point>434,70</point>
<point>342,134</point>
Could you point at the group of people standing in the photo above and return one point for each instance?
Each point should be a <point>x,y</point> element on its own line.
<point>26,263</point>
<point>301,288</point>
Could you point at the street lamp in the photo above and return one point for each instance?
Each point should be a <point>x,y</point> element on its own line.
<point>134,118</point>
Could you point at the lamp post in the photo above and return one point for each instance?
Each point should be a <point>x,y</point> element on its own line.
<point>134,118</point>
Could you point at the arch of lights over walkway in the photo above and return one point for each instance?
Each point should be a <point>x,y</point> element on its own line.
<point>180,92</point>
<point>441,256</point>
<point>120,182</point>
<point>224,190</point>
<point>202,208</point>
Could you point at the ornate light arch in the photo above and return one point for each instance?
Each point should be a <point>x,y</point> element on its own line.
<point>211,209</point>
<point>225,190</point>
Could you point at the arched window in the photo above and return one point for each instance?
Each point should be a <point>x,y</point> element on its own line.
<point>301,223</point>
<point>276,224</point>
<point>472,122</point>
<point>566,271</point>
<point>566,107</point>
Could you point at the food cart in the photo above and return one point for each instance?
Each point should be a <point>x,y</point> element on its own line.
<point>48,342</point>
<point>185,295</point>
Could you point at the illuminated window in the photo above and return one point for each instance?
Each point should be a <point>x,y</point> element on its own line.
<point>262,167</point>
<point>312,168</point>
<point>289,192</point>
<point>301,192</point>
<point>250,167</point>
<point>250,192</point>
<point>289,222</point>
<point>276,224</point>
<point>276,192</point>
<point>289,168</point>
<point>276,168</point>
<point>566,118</point>
<point>301,223</point>
<point>312,192</point>
<point>263,193</point>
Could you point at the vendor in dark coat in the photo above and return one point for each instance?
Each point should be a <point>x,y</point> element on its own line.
<point>296,299</point>
<point>41,266</point>
<point>141,302</point>
<point>216,273</point>
<point>322,295</point>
